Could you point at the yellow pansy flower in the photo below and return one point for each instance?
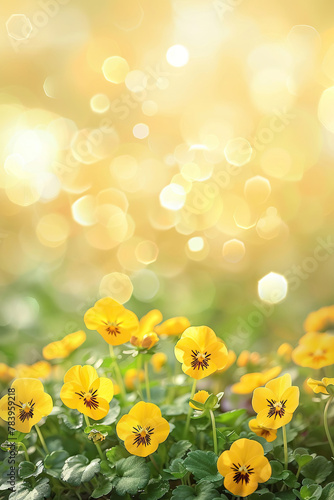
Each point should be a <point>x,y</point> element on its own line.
<point>320,320</point>
<point>262,431</point>
<point>41,369</point>
<point>158,360</point>
<point>143,429</point>
<point>133,377</point>
<point>231,357</point>
<point>64,347</point>
<point>320,386</point>
<point>201,397</point>
<point>243,466</point>
<point>276,402</point>
<point>251,381</point>
<point>146,337</point>
<point>25,404</point>
<point>285,351</point>
<point>6,372</point>
<point>200,352</point>
<point>113,322</point>
<point>173,326</point>
<point>243,358</point>
<point>315,350</point>
<point>85,391</point>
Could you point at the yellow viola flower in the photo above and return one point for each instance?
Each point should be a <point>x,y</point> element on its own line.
<point>231,357</point>
<point>64,347</point>
<point>6,373</point>
<point>146,337</point>
<point>244,466</point>
<point>41,369</point>
<point>315,350</point>
<point>133,377</point>
<point>112,321</point>
<point>200,352</point>
<point>251,381</point>
<point>173,326</point>
<point>262,431</point>
<point>320,386</point>
<point>143,429</point>
<point>158,360</point>
<point>320,320</point>
<point>285,351</point>
<point>243,358</point>
<point>276,402</point>
<point>25,404</point>
<point>85,391</point>
<point>201,397</point>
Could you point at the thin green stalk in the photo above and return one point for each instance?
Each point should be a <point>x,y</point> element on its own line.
<point>214,432</point>
<point>139,367</point>
<point>147,382</point>
<point>118,375</point>
<point>39,432</point>
<point>23,446</point>
<point>330,441</point>
<point>285,444</point>
<point>154,463</point>
<point>98,447</point>
<point>186,429</point>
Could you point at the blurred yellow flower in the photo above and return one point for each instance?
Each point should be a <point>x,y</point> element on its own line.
<point>85,391</point>
<point>251,381</point>
<point>173,326</point>
<point>6,372</point>
<point>320,386</point>
<point>276,402</point>
<point>244,466</point>
<point>320,320</point>
<point>29,406</point>
<point>41,369</point>
<point>201,352</point>
<point>113,322</point>
<point>315,350</point>
<point>143,429</point>
<point>133,377</point>
<point>243,358</point>
<point>158,360</point>
<point>64,347</point>
<point>231,357</point>
<point>201,397</point>
<point>262,431</point>
<point>285,351</point>
<point>146,337</point>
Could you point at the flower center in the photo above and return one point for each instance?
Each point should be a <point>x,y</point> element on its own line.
<point>113,328</point>
<point>276,408</point>
<point>142,435</point>
<point>319,354</point>
<point>89,398</point>
<point>26,410</point>
<point>200,359</point>
<point>242,473</point>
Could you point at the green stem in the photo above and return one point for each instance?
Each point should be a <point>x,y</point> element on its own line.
<point>154,463</point>
<point>186,429</point>
<point>23,446</point>
<point>98,447</point>
<point>214,432</point>
<point>118,374</point>
<point>45,448</point>
<point>139,368</point>
<point>285,444</point>
<point>147,382</point>
<point>330,441</point>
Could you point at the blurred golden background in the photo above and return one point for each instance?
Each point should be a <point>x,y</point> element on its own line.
<point>168,154</point>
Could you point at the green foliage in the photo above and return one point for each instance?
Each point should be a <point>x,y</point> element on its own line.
<point>131,475</point>
<point>25,491</point>
<point>79,470</point>
<point>203,465</point>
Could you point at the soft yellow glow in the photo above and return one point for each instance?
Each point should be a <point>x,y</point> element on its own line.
<point>257,190</point>
<point>273,288</point>
<point>99,103</point>
<point>326,109</point>
<point>173,197</point>
<point>18,27</point>
<point>116,285</point>
<point>196,244</point>
<point>177,56</point>
<point>234,251</point>
<point>141,131</point>
<point>115,69</point>
<point>238,151</point>
<point>147,252</point>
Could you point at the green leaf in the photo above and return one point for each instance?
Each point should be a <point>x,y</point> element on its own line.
<point>104,429</point>
<point>179,449</point>
<point>277,472</point>
<point>105,486</point>
<point>176,469</point>
<point>54,463</point>
<point>285,495</point>
<point>312,492</point>
<point>260,496</point>
<point>24,491</point>
<point>72,419</point>
<point>211,402</point>
<point>132,474</point>
<point>28,469</point>
<point>16,436</point>
<point>318,469</point>
<point>204,491</point>
<point>79,470</point>
<point>291,480</point>
<point>330,389</point>
<point>155,489</point>
<point>197,404</point>
<point>203,465</point>
<point>112,415</point>
<point>116,453</point>
<point>230,418</point>
<point>328,492</point>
